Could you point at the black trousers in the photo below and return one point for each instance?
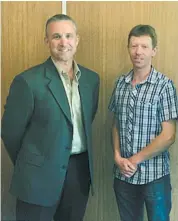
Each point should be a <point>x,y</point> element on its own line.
<point>72,204</point>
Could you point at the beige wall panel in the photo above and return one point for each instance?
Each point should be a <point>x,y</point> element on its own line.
<point>22,47</point>
<point>104,28</point>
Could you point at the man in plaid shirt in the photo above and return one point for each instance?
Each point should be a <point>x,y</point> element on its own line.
<point>145,107</point>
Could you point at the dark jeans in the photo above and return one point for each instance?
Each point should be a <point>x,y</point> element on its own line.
<point>131,198</point>
<point>72,204</point>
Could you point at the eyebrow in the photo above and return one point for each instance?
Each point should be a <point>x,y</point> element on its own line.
<point>57,33</point>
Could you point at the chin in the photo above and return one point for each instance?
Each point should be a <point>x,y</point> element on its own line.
<point>64,59</point>
<point>138,65</point>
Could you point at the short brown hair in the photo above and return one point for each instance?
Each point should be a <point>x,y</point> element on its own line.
<point>140,30</point>
<point>60,17</point>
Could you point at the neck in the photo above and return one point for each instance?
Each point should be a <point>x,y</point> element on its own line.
<point>66,67</point>
<point>140,74</point>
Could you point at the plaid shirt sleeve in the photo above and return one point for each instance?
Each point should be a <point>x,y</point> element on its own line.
<point>112,104</point>
<point>169,103</point>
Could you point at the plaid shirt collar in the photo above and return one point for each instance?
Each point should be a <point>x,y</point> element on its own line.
<point>152,77</point>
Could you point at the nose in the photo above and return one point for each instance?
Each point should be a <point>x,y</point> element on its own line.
<point>63,41</point>
<point>139,50</point>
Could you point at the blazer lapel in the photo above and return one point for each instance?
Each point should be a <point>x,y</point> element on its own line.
<point>84,88</point>
<point>57,89</point>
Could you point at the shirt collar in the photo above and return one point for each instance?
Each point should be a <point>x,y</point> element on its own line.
<point>77,71</point>
<point>152,77</point>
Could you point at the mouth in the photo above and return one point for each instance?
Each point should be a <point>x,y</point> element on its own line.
<point>138,59</point>
<point>63,50</point>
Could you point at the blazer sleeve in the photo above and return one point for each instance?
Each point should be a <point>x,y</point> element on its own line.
<point>17,114</point>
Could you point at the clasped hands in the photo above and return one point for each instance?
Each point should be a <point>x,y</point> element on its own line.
<point>127,166</point>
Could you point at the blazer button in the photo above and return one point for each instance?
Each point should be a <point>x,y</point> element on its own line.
<point>64,167</point>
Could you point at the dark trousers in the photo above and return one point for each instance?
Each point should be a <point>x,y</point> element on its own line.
<point>131,198</point>
<point>73,201</point>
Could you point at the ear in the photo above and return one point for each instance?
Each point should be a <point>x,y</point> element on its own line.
<point>46,41</point>
<point>154,51</point>
<point>128,48</point>
<point>77,40</point>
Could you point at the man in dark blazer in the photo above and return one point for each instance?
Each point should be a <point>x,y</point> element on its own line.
<point>47,127</point>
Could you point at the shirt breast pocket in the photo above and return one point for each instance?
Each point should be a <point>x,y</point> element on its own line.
<point>146,112</point>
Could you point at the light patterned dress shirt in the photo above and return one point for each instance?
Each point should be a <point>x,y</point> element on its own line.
<point>73,96</point>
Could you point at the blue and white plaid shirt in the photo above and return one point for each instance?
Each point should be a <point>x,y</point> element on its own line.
<point>139,111</point>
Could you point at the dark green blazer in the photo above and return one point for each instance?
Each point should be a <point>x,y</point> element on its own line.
<point>37,130</point>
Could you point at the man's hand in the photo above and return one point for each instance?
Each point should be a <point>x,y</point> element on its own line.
<point>126,167</point>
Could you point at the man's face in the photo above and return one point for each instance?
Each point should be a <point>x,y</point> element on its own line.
<point>141,51</point>
<point>62,40</point>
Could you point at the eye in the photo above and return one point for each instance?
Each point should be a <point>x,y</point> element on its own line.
<point>69,35</point>
<point>56,36</point>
